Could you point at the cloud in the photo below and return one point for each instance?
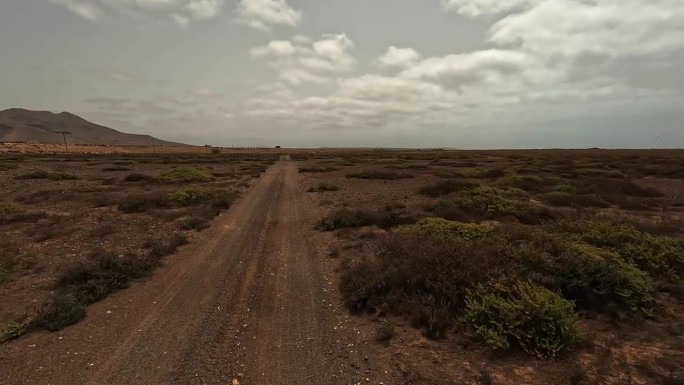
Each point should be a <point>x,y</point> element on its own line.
<point>487,7</point>
<point>182,12</point>
<point>301,39</point>
<point>82,8</point>
<point>560,58</point>
<point>274,49</point>
<point>360,102</point>
<point>296,77</point>
<point>313,62</point>
<point>605,28</point>
<point>263,14</point>
<point>399,57</point>
<point>481,68</point>
<point>181,20</point>
<point>204,9</point>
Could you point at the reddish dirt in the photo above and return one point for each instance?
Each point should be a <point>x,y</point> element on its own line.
<point>250,301</point>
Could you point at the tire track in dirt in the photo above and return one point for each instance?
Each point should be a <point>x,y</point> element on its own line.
<point>249,302</point>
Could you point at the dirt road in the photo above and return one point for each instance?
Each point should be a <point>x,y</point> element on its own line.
<point>250,302</point>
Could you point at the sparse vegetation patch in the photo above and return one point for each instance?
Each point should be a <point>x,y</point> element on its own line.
<point>52,175</point>
<point>185,175</point>
<point>379,174</point>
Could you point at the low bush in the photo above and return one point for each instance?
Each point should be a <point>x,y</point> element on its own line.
<point>160,247</point>
<point>138,178</point>
<point>324,186</point>
<point>468,172</point>
<point>52,175</point>
<point>379,174</point>
<point>424,272</point>
<point>532,183</point>
<point>597,172</point>
<point>539,321</point>
<point>447,186</point>
<point>218,198</point>
<point>89,281</point>
<point>634,190</point>
<point>144,202</point>
<point>195,222</point>
<point>409,166</point>
<point>185,175</point>
<point>10,211</point>
<point>7,166</point>
<point>661,256</point>
<point>8,262</point>
<point>490,202</point>
<point>347,218</point>
<point>116,168</point>
<point>56,313</point>
<point>559,198</point>
<point>317,169</point>
<point>493,173</point>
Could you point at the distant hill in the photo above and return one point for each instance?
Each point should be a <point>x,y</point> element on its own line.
<point>20,125</point>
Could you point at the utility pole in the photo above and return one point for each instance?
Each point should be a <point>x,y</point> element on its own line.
<point>64,134</point>
<point>154,146</point>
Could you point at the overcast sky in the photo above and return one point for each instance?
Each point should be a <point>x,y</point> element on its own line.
<point>395,73</point>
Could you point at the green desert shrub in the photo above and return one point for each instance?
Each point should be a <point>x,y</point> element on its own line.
<point>56,313</point>
<point>523,181</point>
<point>201,195</point>
<point>10,211</point>
<point>4,166</point>
<point>468,172</point>
<point>348,218</point>
<point>135,177</point>
<point>444,230</point>
<point>317,169</point>
<point>185,175</point>
<point>116,168</point>
<point>489,202</point>
<point>423,272</point>
<point>324,186</point>
<point>144,202</point>
<point>52,175</point>
<point>539,321</point>
<point>559,198</point>
<point>661,256</point>
<point>379,174</point>
<point>447,186</point>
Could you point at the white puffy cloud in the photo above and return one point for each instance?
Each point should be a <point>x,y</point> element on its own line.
<point>274,48</point>
<point>299,63</point>
<point>263,14</point>
<point>399,57</point>
<point>603,28</point>
<point>204,9</point>
<point>494,67</point>
<point>560,56</point>
<point>295,76</point>
<point>182,12</point>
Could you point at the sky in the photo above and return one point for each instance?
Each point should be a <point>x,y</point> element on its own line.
<point>355,73</point>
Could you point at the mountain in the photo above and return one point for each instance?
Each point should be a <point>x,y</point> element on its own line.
<point>20,125</point>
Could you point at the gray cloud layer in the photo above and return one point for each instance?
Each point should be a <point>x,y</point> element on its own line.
<point>257,71</point>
